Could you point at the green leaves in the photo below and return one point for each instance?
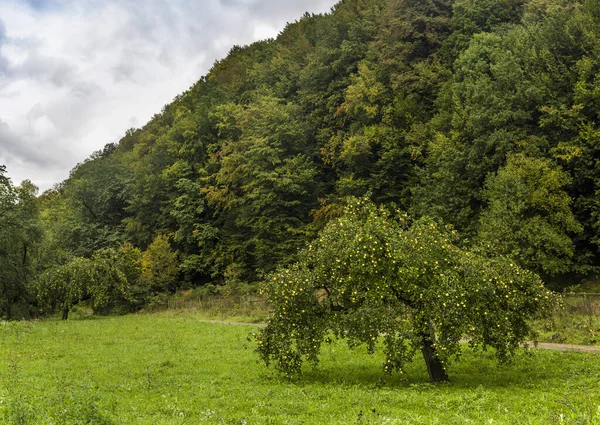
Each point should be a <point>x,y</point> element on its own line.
<point>111,280</point>
<point>374,273</point>
<point>528,217</point>
<point>20,237</point>
<point>159,266</point>
<point>61,287</point>
<point>264,186</point>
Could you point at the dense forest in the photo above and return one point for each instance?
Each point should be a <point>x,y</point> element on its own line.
<point>480,114</point>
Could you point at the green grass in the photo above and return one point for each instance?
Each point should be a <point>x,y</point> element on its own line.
<point>171,368</point>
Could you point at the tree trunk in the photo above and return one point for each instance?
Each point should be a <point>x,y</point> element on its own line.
<point>436,370</point>
<point>65,315</point>
<point>6,303</point>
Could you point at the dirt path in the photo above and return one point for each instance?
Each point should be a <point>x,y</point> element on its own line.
<point>568,347</point>
<point>225,322</point>
<point>540,345</point>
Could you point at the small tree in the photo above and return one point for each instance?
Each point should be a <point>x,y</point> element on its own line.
<point>109,284</point>
<point>61,287</point>
<point>129,261</point>
<point>370,276</point>
<point>111,278</point>
<point>159,266</point>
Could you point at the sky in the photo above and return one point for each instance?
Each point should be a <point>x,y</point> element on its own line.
<point>76,74</point>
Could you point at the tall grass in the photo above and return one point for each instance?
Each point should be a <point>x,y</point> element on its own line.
<point>577,321</point>
<point>240,302</point>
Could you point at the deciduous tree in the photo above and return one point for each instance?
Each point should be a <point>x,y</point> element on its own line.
<point>528,216</point>
<point>20,234</point>
<point>159,266</point>
<point>373,275</point>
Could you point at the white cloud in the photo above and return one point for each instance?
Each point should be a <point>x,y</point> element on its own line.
<point>75,74</point>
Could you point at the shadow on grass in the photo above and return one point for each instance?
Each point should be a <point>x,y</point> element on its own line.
<point>533,369</point>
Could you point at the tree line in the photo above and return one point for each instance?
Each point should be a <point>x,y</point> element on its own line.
<point>479,114</point>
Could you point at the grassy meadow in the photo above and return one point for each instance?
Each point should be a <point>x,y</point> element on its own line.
<point>172,368</point>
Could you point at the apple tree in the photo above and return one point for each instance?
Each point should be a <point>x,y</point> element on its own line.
<point>374,275</point>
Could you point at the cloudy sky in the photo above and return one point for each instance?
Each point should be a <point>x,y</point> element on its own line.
<point>75,74</point>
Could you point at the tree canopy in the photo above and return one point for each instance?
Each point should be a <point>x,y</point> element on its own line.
<point>476,113</point>
<point>375,275</point>
<point>20,236</point>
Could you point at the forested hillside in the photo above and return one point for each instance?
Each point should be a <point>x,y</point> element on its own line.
<point>481,114</point>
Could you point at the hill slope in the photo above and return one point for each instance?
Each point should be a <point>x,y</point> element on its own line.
<point>480,113</point>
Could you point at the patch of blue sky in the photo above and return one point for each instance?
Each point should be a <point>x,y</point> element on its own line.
<point>43,4</point>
